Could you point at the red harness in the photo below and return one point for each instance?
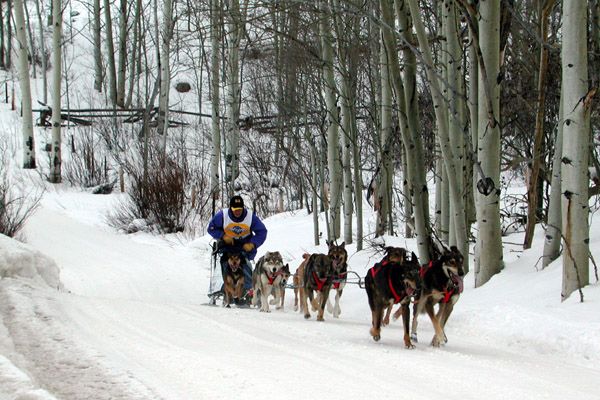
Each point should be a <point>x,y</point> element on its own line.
<point>272,278</point>
<point>375,270</point>
<point>448,293</point>
<point>424,268</point>
<point>320,282</point>
<point>339,279</point>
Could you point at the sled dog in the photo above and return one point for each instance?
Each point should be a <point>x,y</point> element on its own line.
<point>265,277</point>
<point>315,273</point>
<point>388,283</point>
<point>339,258</point>
<point>233,281</point>
<point>442,284</point>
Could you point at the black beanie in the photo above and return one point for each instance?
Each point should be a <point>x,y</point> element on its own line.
<point>236,202</point>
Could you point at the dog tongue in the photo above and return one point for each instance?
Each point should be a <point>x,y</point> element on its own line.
<point>458,281</point>
<point>409,290</point>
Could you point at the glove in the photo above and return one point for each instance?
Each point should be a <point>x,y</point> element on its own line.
<point>227,239</point>
<point>248,247</point>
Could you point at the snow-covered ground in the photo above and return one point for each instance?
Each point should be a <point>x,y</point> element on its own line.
<point>127,321</point>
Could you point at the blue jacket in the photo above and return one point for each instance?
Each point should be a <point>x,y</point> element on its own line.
<point>257,236</point>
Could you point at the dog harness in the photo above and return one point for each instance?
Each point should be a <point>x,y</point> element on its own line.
<point>272,278</point>
<point>320,282</point>
<point>375,270</point>
<point>237,230</point>
<point>454,285</point>
<point>338,279</point>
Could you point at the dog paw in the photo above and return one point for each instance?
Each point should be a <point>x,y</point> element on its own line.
<point>413,338</point>
<point>409,346</point>
<point>376,335</point>
<point>306,316</point>
<point>435,342</point>
<point>385,322</point>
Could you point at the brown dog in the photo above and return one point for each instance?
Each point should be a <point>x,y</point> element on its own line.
<point>389,283</point>
<point>233,281</point>
<point>315,274</point>
<point>298,281</point>
<point>441,284</point>
<point>339,258</point>
<point>395,255</point>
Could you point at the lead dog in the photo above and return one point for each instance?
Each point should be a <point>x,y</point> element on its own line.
<point>315,274</point>
<point>388,283</point>
<point>233,282</point>
<point>339,258</point>
<point>266,275</point>
<point>442,284</point>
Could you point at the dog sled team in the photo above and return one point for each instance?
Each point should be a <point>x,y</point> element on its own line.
<point>398,278</point>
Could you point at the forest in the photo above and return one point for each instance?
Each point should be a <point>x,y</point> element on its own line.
<point>327,105</point>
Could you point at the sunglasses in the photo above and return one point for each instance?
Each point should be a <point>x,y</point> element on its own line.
<point>236,208</point>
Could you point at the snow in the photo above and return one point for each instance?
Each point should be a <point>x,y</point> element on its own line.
<point>88,312</point>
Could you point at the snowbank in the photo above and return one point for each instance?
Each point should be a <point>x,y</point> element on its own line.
<point>18,260</point>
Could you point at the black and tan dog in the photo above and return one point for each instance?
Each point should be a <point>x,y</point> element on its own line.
<point>339,258</point>
<point>441,284</point>
<point>388,283</point>
<point>315,274</point>
<point>397,255</point>
<point>265,277</point>
<point>279,291</point>
<point>233,281</point>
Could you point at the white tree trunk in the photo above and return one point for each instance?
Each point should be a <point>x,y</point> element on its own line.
<point>576,131</point>
<point>385,138</point>
<point>456,122</point>
<point>42,44</point>
<point>25,84</point>
<point>55,151</point>
<point>333,145</point>
<point>473,104</point>
<point>121,73</point>
<point>413,147</point>
<point>553,228</point>
<point>441,117</point>
<point>215,157</point>
<point>488,256</point>
<point>98,72</point>
<point>165,72</point>
<point>110,52</point>
<point>232,94</point>
<point>134,68</point>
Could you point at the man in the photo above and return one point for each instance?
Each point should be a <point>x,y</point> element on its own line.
<point>239,230</point>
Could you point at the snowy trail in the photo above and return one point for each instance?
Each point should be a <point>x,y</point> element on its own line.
<point>130,325</point>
